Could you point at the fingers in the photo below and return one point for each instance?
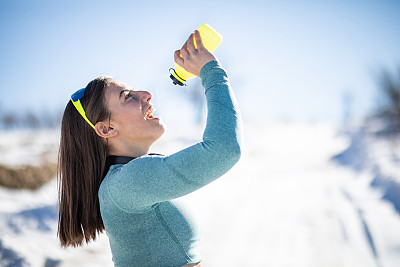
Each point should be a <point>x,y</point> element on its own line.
<point>190,47</point>
<point>177,57</point>
<point>184,50</point>
<point>190,44</point>
<point>199,42</point>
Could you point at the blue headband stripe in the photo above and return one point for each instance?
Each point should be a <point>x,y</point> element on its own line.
<point>78,95</point>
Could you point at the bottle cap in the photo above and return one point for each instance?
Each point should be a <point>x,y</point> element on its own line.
<point>176,79</point>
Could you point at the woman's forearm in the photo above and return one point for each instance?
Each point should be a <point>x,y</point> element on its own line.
<point>224,123</point>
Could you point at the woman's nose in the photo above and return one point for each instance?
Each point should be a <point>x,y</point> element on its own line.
<point>146,96</point>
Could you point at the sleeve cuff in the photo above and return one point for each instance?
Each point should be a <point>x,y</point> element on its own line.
<point>212,73</point>
<point>208,66</point>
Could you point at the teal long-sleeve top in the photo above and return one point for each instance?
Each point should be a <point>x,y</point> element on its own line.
<point>145,225</point>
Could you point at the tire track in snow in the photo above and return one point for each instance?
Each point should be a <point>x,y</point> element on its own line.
<point>367,232</point>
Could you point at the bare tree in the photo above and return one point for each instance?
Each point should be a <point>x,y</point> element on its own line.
<point>389,110</point>
<point>347,108</point>
<point>390,85</point>
<point>9,120</point>
<point>30,120</point>
<point>195,94</point>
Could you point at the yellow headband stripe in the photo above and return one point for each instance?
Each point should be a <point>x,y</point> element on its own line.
<point>75,98</point>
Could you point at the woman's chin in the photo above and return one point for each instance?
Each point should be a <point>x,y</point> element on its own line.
<point>160,130</point>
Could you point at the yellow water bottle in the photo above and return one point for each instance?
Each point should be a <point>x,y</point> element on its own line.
<point>211,40</point>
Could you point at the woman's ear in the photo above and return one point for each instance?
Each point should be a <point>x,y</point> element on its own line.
<point>105,130</point>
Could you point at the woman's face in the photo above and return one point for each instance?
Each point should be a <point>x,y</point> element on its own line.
<point>131,113</point>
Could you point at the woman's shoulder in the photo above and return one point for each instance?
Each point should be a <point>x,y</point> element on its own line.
<point>134,166</point>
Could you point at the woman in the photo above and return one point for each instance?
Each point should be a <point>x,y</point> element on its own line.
<point>109,181</point>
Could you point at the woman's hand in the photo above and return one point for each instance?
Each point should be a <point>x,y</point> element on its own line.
<point>192,59</point>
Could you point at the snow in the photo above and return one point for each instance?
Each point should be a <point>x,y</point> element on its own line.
<point>299,196</point>
<point>22,147</point>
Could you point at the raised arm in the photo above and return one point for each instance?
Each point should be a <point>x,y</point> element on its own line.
<point>151,179</point>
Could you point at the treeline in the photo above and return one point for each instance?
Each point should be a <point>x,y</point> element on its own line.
<point>13,120</point>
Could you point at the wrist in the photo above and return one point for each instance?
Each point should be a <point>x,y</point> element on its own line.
<point>208,66</point>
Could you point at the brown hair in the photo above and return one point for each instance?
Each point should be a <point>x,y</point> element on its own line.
<point>82,166</point>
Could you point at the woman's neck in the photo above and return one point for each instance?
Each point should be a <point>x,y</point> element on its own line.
<point>129,150</point>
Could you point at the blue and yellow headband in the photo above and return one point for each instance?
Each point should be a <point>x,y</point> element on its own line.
<point>75,98</point>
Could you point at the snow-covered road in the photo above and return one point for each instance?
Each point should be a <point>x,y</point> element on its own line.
<point>284,204</point>
<point>287,204</point>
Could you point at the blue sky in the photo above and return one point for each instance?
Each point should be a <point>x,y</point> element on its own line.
<point>287,60</point>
